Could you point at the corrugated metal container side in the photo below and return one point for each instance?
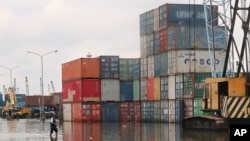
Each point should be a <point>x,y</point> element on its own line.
<point>144,68</point>
<point>188,85</point>
<point>72,91</point>
<point>188,107</point>
<point>77,131</point>
<point>91,129</point>
<point>156,19</point>
<point>175,110</point>
<point>144,91</point>
<point>129,111</point>
<point>147,22</point>
<point>110,111</point>
<point>110,90</point>
<point>136,90</point>
<point>185,14</point>
<point>129,69</point>
<point>171,87</point>
<point>157,65</point>
<point>147,111</point>
<point>157,111</point>
<point>137,111</point>
<point>150,44</point>
<point>179,86</point>
<point>163,40</point>
<point>184,61</point>
<point>150,66</point>
<point>77,112</point>
<point>67,112</point>
<point>164,110</point>
<point>81,68</point>
<point>91,89</point>
<point>164,87</point>
<point>109,66</point>
<point>71,70</point>
<point>164,64</point>
<point>143,48</point>
<point>163,16</point>
<point>126,90</point>
<point>57,98</point>
<point>37,100</point>
<point>150,88</point>
<point>156,43</point>
<point>91,111</point>
<point>198,106</point>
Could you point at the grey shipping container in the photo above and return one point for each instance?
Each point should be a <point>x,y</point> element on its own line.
<point>110,90</point>
<point>109,66</point>
<point>129,69</point>
<point>147,111</point>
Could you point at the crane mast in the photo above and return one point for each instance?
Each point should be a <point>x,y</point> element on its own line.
<point>27,86</point>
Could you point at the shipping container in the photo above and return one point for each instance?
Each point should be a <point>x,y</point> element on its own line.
<point>157,111</point>
<point>150,66</point>
<point>186,14</point>
<point>109,66</point>
<point>144,91</point>
<point>171,87</point>
<point>147,111</point>
<point>163,16</point>
<point>129,69</point>
<point>91,89</point>
<point>175,110</point>
<point>153,88</point>
<point>72,91</point>
<point>144,68</point>
<point>126,90</point>
<point>163,64</point>
<point>110,111</point>
<point>198,107</point>
<point>157,65</point>
<point>147,22</point>
<point>67,112</point>
<point>143,47</point>
<point>91,131</point>
<point>156,19</point>
<point>164,111</point>
<point>163,40</point>
<point>129,111</point>
<point>188,107</point>
<point>81,68</point>
<point>37,100</point>
<point>57,98</point>
<point>91,111</point>
<point>156,43</point>
<point>110,90</point>
<point>164,87</point>
<point>186,61</point>
<point>77,112</point>
<point>136,90</point>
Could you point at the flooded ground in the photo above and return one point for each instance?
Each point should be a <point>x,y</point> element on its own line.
<point>35,130</point>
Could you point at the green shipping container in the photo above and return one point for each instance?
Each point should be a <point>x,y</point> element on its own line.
<point>136,90</point>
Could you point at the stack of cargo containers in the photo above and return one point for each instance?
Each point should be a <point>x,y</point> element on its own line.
<point>129,75</point>
<point>175,60</point>
<point>81,89</point>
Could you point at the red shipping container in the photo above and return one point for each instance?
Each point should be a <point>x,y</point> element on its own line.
<point>91,89</point>
<point>91,111</point>
<point>72,91</point>
<point>77,112</point>
<point>137,111</point>
<point>163,40</point>
<point>124,112</point>
<point>130,111</point>
<point>150,88</point>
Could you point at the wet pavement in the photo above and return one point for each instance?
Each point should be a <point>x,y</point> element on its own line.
<point>35,130</point>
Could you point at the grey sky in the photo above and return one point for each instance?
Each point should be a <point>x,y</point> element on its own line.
<point>73,27</point>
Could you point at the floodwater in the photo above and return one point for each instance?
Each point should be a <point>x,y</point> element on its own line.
<point>35,130</point>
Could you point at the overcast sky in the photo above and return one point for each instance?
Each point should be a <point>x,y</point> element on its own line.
<point>73,27</point>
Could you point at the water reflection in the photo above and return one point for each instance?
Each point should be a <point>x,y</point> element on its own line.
<point>35,130</point>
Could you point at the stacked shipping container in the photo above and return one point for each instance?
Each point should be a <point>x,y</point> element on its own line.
<point>164,85</point>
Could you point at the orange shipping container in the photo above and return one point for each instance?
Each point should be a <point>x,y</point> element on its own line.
<point>81,68</point>
<point>76,111</point>
<point>153,88</point>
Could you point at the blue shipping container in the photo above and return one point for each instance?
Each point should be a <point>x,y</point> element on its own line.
<point>126,90</point>
<point>109,66</point>
<point>110,112</point>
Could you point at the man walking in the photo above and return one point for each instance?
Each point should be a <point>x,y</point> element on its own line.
<point>53,126</point>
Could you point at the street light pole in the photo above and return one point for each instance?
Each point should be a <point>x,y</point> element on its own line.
<point>11,70</point>
<point>41,57</point>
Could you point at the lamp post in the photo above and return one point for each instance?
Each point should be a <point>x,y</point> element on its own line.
<point>11,70</point>
<point>42,56</point>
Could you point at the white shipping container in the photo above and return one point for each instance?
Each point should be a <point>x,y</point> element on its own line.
<point>164,110</point>
<point>151,66</point>
<point>185,61</point>
<point>156,19</point>
<point>144,93</point>
<point>110,90</point>
<point>144,68</point>
<point>171,87</point>
<point>67,111</point>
